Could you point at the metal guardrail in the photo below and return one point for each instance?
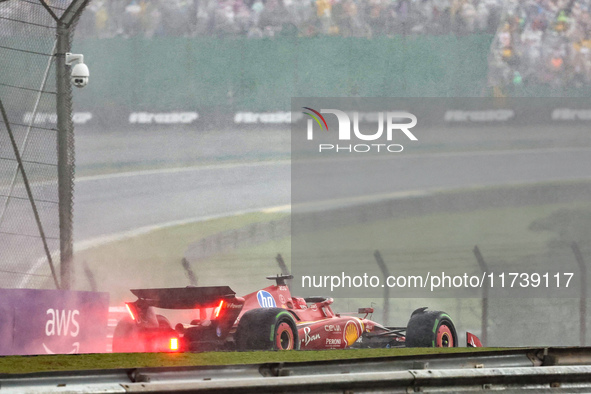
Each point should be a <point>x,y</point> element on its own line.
<point>540,370</point>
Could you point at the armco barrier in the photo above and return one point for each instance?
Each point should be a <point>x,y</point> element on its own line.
<point>52,321</point>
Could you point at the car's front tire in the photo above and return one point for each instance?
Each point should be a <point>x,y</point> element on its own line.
<point>430,329</point>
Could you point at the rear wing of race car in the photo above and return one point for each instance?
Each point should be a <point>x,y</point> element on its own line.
<point>184,297</point>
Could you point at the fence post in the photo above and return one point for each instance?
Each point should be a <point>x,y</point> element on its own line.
<point>283,268</point>
<point>386,274</point>
<point>65,154</point>
<point>484,268</point>
<point>189,272</point>
<point>65,135</point>
<point>583,299</point>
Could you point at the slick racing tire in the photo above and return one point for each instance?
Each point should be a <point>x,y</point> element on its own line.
<point>267,329</point>
<point>430,329</point>
<point>127,338</point>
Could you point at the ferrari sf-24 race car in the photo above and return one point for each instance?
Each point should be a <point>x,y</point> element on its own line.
<point>267,319</point>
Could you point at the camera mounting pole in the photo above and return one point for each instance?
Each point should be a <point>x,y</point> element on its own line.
<point>65,155</point>
<point>65,135</point>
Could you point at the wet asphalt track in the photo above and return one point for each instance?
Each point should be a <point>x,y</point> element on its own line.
<point>110,204</point>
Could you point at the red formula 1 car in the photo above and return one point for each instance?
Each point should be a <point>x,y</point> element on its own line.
<point>268,319</point>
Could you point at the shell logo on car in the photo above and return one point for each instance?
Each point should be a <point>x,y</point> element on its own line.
<point>352,332</point>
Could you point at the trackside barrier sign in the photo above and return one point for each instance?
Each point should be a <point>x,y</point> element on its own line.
<point>52,322</point>
<point>448,112</point>
<point>50,119</point>
<point>175,118</point>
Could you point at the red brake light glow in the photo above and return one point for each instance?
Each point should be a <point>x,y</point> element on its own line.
<point>217,310</point>
<point>130,311</point>
<point>174,344</point>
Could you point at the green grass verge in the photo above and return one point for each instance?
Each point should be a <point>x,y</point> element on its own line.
<point>30,364</point>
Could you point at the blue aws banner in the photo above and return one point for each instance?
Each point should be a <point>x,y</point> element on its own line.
<point>52,322</point>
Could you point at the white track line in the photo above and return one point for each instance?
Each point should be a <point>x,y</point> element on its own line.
<point>177,170</point>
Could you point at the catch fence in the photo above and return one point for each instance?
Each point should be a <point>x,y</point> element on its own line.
<point>36,159</point>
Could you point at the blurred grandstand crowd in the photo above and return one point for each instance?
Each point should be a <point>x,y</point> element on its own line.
<point>267,18</point>
<point>542,42</point>
<point>537,41</point>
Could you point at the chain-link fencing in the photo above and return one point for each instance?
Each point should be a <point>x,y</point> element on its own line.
<point>36,159</point>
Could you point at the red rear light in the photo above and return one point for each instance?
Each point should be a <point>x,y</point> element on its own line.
<point>174,344</point>
<point>129,309</point>
<point>218,309</point>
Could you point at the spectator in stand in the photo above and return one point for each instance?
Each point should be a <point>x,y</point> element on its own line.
<point>132,19</point>
<point>543,42</point>
<point>324,14</point>
<point>272,18</point>
<point>350,23</point>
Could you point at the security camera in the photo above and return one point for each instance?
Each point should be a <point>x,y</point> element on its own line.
<point>80,75</point>
<point>80,71</point>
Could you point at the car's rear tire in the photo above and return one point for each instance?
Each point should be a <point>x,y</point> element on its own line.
<point>267,329</point>
<point>430,329</point>
<point>127,338</point>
